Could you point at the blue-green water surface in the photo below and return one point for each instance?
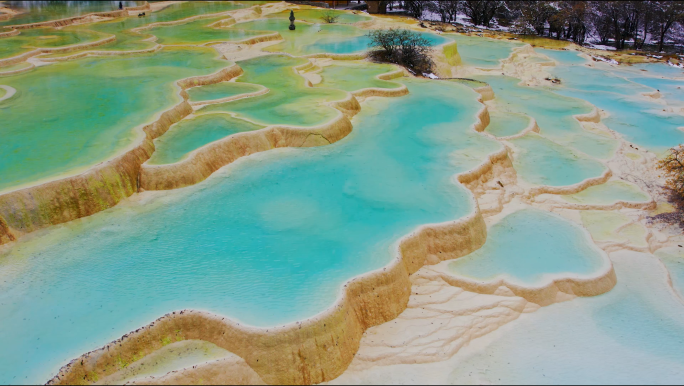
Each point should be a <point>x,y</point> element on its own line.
<point>529,246</point>
<point>267,241</point>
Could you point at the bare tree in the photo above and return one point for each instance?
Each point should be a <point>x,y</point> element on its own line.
<point>533,14</point>
<point>330,16</point>
<point>666,13</point>
<point>415,8</point>
<point>402,46</point>
<point>446,9</point>
<point>480,12</point>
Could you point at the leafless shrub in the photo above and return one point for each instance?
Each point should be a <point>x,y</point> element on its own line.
<point>330,16</point>
<point>401,46</point>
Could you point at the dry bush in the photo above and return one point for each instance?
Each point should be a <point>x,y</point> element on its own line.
<point>403,47</point>
<point>330,17</point>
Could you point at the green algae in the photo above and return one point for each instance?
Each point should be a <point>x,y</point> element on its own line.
<point>221,90</point>
<point>30,39</point>
<point>190,134</point>
<point>608,193</point>
<point>353,76</point>
<point>288,102</point>
<point>79,124</point>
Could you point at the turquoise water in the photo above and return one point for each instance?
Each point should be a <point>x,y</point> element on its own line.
<point>566,57</point>
<point>608,193</point>
<point>221,90</point>
<point>482,52</point>
<point>352,76</point>
<point>319,38</point>
<point>191,134</point>
<point>543,162</point>
<point>288,102</point>
<point>74,114</point>
<point>199,32</point>
<point>529,247</point>
<point>639,120</point>
<point>268,241</point>
<point>554,114</point>
<point>504,124</point>
<point>673,258</point>
<point>630,335</point>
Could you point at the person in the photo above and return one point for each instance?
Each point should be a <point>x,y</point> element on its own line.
<point>120,4</point>
<point>292,19</point>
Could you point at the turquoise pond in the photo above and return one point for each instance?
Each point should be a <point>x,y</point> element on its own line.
<point>221,90</point>
<point>504,124</point>
<point>630,335</point>
<point>542,162</point>
<point>483,52</point>
<point>608,193</point>
<point>531,247</point>
<point>80,125</point>
<point>673,258</point>
<point>191,134</point>
<point>554,114</point>
<point>267,241</point>
<point>637,119</point>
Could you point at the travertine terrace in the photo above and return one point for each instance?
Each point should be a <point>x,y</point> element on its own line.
<point>318,217</point>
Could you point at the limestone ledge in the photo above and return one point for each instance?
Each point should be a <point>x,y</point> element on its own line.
<point>203,162</point>
<point>486,91</point>
<point>206,160</point>
<point>200,104</point>
<point>531,128</point>
<point>102,53</point>
<point>310,351</point>
<point>560,288</point>
<point>571,189</point>
<point>99,188</point>
<point>21,58</point>
<point>13,32</point>
<point>617,205</point>
<point>228,371</point>
<point>30,67</point>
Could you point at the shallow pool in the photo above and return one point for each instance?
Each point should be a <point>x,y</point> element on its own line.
<point>78,113</point>
<point>191,134</point>
<point>542,162</point>
<point>608,193</point>
<point>267,241</point>
<point>353,76</point>
<point>288,102</point>
<point>640,120</point>
<point>531,247</point>
<point>482,52</point>
<point>221,90</point>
